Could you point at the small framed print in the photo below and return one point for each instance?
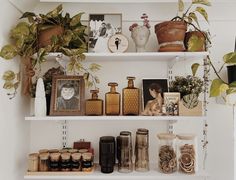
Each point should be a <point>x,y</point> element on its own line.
<point>153,96</point>
<point>171,103</point>
<point>67,98</point>
<point>118,43</point>
<point>101,28</point>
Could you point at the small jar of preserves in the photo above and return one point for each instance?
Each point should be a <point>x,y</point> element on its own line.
<point>33,162</point>
<point>76,162</point>
<point>87,162</point>
<point>65,161</point>
<point>167,153</point>
<point>55,161</point>
<point>44,162</point>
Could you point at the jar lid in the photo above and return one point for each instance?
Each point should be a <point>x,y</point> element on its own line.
<point>83,150</point>
<point>34,156</point>
<point>65,156</point>
<point>43,151</point>
<point>73,151</point>
<point>55,156</point>
<point>87,156</point>
<point>186,136</point>
<point>63,151</point>
<point>166,136</point>
<point>76,156</point>
<point>44,156</point>
<point>53,151</point>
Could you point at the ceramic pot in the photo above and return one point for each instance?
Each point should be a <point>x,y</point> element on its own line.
<point>170,35</point>
<point>140,36</point>
<point>196,37</point>
<point>45,36</point>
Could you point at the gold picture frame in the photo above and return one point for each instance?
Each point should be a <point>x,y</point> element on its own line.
<point>68,96</point>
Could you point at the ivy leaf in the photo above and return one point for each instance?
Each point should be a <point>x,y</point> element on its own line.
<point>181,5</point>
<point>230,58</point>
<point>76,19</point>
<point>67,37</point>
<point>194,68</point>
<point>8,85</point>
<point>55,12</point>
<point>9,76</point>
<point>232,85</point>
<point>195,43</point>
<point>230,91</point>
<point>204,2</point>
<point>193,16</point>
<point>8,52</point>
<point>217,87</point>
<point>27,15</point>
<point>203,12</point>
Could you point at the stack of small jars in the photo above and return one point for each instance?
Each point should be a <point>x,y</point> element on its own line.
<point>61,160</point>
<point>177,155</point>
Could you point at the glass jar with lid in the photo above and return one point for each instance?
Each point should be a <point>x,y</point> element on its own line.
<point>33,161</point>
<point>167,158</point>
<point>44,161</point>
<point>55,161</point>
<point>65,161</point>
<point>76,161</point>
<point>87,162</point>
<point>187,156</point>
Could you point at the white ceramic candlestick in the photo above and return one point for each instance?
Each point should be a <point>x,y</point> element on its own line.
<point>40,99</point>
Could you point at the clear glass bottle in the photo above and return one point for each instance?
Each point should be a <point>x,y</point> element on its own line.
<point>33,161</point>
<point>130,98</point>
<point>167,157</point>
<point>124,152</point>
<point>112,101</point>
<point>44,162</point>
<point>94,106</point>
<point>142,150</point>
<point>187,146</point>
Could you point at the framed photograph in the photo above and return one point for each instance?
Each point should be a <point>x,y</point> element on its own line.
<point>118,43</point>
<point>171,102</point>
<point>153,90</point>
<point>67,98</point>
<point>101,28</point>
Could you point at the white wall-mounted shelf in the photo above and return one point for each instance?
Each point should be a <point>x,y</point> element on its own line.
<point>114,1</point>
<point>115,118</point>
<point>133,56</point>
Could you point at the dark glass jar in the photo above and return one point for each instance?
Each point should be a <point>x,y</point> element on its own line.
<point>76,161</point>
<point>55,161</point>
<point>44,162</point>
<point>87,162</point>
<point>65,161</point>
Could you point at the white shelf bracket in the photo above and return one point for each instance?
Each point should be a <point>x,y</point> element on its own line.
<point>64,134</point>
<point>171,126</point>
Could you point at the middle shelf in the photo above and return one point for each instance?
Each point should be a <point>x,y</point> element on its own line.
<point>115,118</point>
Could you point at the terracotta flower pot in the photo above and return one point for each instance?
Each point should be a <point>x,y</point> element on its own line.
<point>198,41</point>
<point>170,35</point>
<point>46,35</point>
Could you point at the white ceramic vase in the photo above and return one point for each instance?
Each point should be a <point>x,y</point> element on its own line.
<point>40,99</point>
<point>140,36</point>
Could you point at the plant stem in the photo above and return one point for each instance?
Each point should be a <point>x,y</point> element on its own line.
<point>187,10</point>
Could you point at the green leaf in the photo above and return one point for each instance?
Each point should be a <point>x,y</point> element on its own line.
<point>8,52</point>
<point>230,58</point>
<point>94,67</point>
<point>27,15</point>
<point>194,68</point>
<point>67,37</point>
<point>193,16</point>
<point>204,2</point>
<point>20,42</point>
<point>54,13</point>
<point>33,28</point>
<point>203,12</point>
<point>9,76</point>
<point>67,52</point>
<point>232,85</point>
<point>195,43</point>
<point>79,29</point>
<point>70,66</point>
<point>230,91</point>
<point>217,87</point>
<point>190,101</point>
<point>22,29</point>
<point>181,5</point>
<point>76,19</point>
<point>8,85</point>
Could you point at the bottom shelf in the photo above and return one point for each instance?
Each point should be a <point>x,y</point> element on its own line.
<point>96,174</point>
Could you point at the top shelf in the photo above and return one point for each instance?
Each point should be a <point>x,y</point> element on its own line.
<point>114,1</point>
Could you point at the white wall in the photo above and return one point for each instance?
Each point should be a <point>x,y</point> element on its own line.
<point>14,131</point>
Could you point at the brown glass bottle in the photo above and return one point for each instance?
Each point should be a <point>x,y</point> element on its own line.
<point>131,97</point>
<point>112,101</point>
<point>94,106</point>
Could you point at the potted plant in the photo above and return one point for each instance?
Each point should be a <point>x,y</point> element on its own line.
<point>42,34</point>
<point>171,34</point>
<point>189,88</point>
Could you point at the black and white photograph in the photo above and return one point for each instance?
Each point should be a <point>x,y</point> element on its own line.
<point>101,28</point>
<point>171,102</point>
<point>67,93</point>
<point>153,90</point>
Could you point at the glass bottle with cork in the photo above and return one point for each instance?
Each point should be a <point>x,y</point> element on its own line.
<point>130,101</point>
<point>112,100</point>
<point>94,106</point>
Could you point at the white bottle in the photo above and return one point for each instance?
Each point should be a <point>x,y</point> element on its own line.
<point>40,99</point>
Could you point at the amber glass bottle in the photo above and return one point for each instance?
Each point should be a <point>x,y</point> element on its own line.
<point>130,101</point>
<point>94,106</point>
<point>112,101</point>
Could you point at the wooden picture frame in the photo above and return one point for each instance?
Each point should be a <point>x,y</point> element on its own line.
<point>101,28</point>
<point>68,96</point>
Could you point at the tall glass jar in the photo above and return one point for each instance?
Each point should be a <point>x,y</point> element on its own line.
<point>33,161</point>
<point>167,158</point>
<point>187,156</point>
<point>142,150</point>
